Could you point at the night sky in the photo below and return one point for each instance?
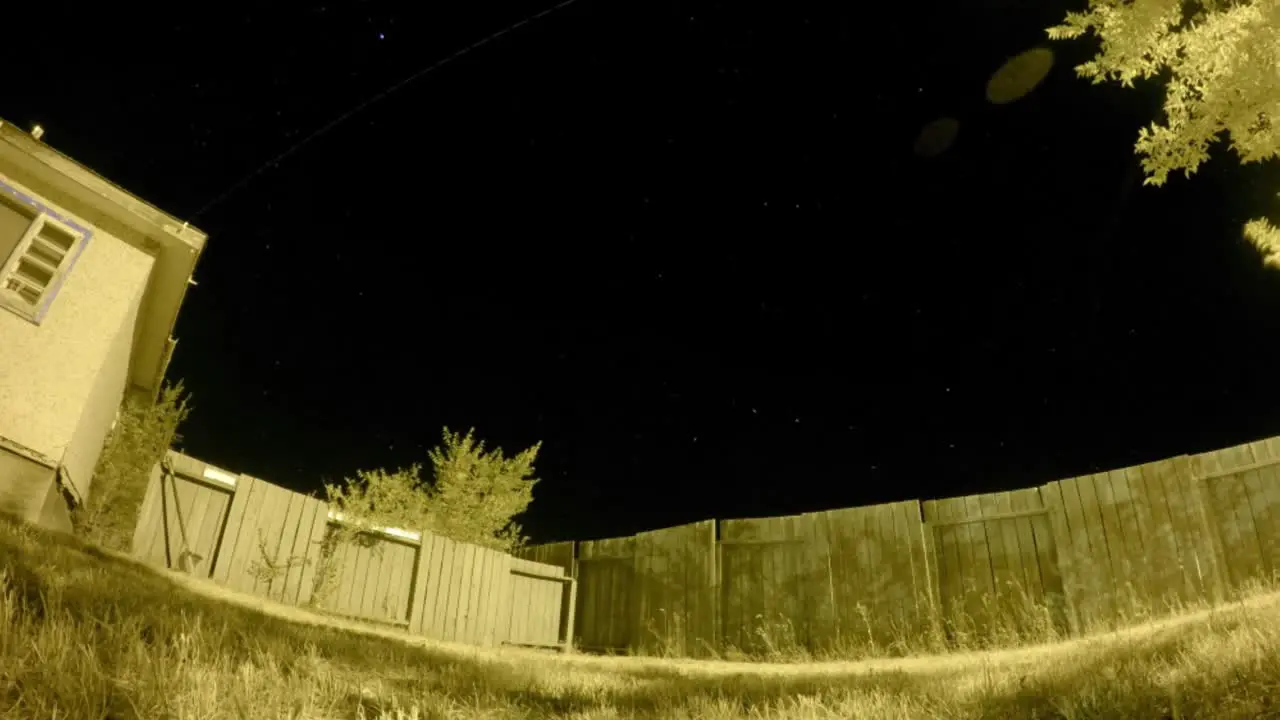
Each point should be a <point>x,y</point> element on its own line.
<point>687,245</point>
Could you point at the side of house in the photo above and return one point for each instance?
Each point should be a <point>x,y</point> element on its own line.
<point>91,281</point>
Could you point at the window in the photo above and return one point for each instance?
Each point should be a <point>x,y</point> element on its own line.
<point>36,250</point>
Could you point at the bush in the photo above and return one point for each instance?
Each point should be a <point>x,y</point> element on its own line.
<point>144,431</point>
<point>473,497</point>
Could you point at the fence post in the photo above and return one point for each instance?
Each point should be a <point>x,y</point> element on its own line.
<point>569,603</point>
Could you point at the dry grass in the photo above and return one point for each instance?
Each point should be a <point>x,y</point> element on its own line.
<point>88,634</point>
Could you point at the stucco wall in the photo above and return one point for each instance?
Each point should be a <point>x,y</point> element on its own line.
<point>48,372</point>
<point>100,408</point>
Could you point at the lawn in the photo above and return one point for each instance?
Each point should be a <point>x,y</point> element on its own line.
<point>88,634</point>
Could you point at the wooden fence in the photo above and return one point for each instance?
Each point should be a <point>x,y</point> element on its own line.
<point>259,538</point>
<point>1082,553</point>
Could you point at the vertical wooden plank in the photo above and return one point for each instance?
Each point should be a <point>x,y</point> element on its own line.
<point>1064,534</point>
<point>475,592</point>
<point>1198,498</point>
<point>933,589</point>
<point>502,623</point>
<point>1101,592</point>
<point>201,496</point>
<point>489,598</point>
<point>489,601</point>
<point>1161,567</point>
<point>417,604</point>
<point>282,552</point>
<point>187,494</point>
<point>1115,541</point>
<point>355,566</point>
<point>431,568</point>
<point>398,581</point>
<point>176,502</point>
<point>947,556</point>
<point>465,592</point>
<point>1150,541</point>
<point>1132,550</point>
<point>1039,553</point>
<point>380,578</point>
<point>362,600</point>
<point>253,539</point>
<point>439,594</point>
<point>1002,558</point>
<point>311,546</point>
<point>1254,499</point>
<point>437,575</point>
<point>145,527</point>
<point>1242,551</point>
<point>1267,514</point>
<point>295,552</point>
<point>449,610</point>
<point>493,602</point>
<point>246,536</point>
<point>1019,536</point>
<point>161,552</point>
<point>520,607</point>
<point>215,516</point>
<point>402,582</point>
<point>1174,479</point>
<point>223,559</point>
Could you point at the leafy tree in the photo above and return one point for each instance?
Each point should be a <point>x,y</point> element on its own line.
<point>145,429</point>
<point>1222,58</point>
<point>476,495</point>
<point>473,497</point>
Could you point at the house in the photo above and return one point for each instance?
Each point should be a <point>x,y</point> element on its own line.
<point>91,281</point>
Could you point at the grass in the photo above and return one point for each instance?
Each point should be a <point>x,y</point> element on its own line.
<point>90,634</point>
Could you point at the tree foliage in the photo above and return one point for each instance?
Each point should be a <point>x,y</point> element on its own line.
<point>145,429</point>
<point>1222,59</point>
<point>474,496</point>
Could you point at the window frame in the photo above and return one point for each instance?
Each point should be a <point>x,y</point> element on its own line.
<point>44,214</point>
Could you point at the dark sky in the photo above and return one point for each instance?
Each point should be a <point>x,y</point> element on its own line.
<point>685,244</point>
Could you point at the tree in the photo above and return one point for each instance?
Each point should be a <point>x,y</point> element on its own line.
<point>145,429</point>
<point>473,497</point>
<point>1222,58</point>
<point>476,495</point>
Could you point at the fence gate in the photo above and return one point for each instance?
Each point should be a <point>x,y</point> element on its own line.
<point>181,520</point>
<point>606,597</point>
<point>993,553</point>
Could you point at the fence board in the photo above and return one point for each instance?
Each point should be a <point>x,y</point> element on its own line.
<point>1196,551</point>
<point>296,553</point>
<point>607,606</point>
<point>269,523</point>
<point>148,516</point>
<point>1098,565</point>
<point>385,558</point>
<point>247,536</point>
<point>282,547</point>
<point>1225,488</point>
<point>399,582</point>
<point>502,604</point>
<point>440,594</point>
<point>211,527</point>
<point>226,555</point>
<point>1269,450</point>
<point>201,498</point>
